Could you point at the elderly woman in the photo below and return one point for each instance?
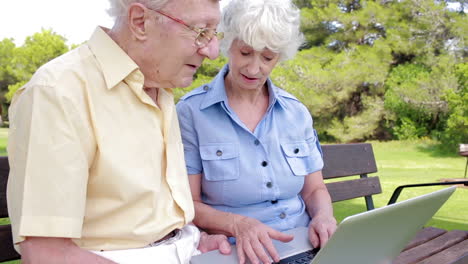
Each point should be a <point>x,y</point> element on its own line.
<point>253,157</point>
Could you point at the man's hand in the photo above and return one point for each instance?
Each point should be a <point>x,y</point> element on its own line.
<point>321,229</point>
<point>48,250</point>
<point>213,242</point>
<point>253,237</point>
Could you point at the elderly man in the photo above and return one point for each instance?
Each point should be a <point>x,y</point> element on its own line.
<point>97,168</point>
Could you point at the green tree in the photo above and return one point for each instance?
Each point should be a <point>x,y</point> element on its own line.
<point>7,47</point>
<point>359,53</point>
<point>7,77</point>
<point>457,122</point>
<point>18,64</point>
<point>36,51</point>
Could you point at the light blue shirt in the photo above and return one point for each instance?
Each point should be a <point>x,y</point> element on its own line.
<point>257,174</point>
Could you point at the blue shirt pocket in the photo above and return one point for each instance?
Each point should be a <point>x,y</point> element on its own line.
<point>297,155</point>
<point>220,161</point>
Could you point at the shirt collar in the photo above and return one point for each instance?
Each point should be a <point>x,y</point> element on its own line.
<point>216,91</point>
<point>115,63</point>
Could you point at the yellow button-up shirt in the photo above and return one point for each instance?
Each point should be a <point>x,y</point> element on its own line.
<point>92,157</point>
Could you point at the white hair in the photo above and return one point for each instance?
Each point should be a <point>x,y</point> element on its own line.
<point>271,24</point>
<point>119,8</point>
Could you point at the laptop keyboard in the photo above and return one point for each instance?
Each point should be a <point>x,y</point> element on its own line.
<point>300,258</point>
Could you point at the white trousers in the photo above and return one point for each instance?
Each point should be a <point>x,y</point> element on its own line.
<point>175,250</point>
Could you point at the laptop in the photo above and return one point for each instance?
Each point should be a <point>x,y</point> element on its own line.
<point>372,237</point>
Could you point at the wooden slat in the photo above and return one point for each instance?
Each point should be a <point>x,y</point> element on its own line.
<point>423,236</point>
<point>348,159</point>
<point>345,190</point>
<point>7,251</point>
<point>432,247</point>
<point>452,254</point>
<point>4,170</point>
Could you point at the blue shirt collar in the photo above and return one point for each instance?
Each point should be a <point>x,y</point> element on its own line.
<point>216,92</point>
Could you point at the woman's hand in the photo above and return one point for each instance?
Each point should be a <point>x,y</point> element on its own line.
<point>319,207</point>
<point>253,238</point>
<point>321,228</point>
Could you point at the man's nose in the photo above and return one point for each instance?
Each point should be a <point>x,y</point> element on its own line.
<point>211,50</point>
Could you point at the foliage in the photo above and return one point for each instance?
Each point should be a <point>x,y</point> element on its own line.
<point>7,47</point>
<point>407,102</point>
<point>379,69</point>
<point>12,90</point>
<point>343,98</point>
<point>7,77</point>
<point>36,51</point>
<point>457,122</point>
<point>19,63</point>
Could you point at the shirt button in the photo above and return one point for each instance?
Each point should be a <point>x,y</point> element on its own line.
<point>296,151</point>
<point>282,215</point>
<point>264,163</point>
<point>206,87</point>
<point>219,153</point>
<point>269,184</point>
<point>257,142</point>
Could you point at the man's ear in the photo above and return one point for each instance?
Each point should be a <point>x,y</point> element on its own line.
<point>137,16</point>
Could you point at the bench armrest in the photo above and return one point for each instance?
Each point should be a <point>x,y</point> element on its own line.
<point>398,190</point>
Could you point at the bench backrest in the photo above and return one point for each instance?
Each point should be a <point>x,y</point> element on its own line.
<point>341,160</point>
<point>344,160</point>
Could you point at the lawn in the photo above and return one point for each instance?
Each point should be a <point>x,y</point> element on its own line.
<point>3,140</point>
<point>399,163</point>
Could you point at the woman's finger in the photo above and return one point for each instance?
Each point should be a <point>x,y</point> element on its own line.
<point>240,251</point>
<point>268,245</point>
<point>249,252</point>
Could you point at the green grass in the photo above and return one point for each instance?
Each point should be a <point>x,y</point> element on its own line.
<point>409,162</point>
<point>399,163</point>
<point>3,141</point>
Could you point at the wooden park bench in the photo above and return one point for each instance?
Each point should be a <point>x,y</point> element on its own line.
<point>430,246</point>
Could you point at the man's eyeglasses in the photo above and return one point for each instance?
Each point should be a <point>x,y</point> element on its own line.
<point>204,35</point>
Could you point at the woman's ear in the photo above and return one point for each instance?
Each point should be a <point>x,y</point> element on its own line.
<point>137,17</point>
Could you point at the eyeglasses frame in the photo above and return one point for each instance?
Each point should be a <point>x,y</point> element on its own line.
<point>201,32</point>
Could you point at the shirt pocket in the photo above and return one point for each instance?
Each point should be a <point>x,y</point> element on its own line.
<point>297,155</point>
<point>220,161</point>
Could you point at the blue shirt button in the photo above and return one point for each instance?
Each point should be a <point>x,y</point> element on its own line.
<point>219,153</point>
<point>264,163</point>
<point>282,215</point>
<point>257,142</point>
<point>206,88</point>
<point>269,184</point>
<point>296,151</point>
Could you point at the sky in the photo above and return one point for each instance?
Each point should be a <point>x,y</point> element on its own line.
<point>75,20</point>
